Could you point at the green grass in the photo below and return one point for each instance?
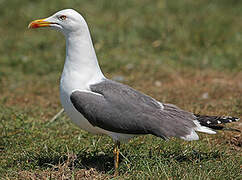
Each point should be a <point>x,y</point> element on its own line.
<point>175,51</point>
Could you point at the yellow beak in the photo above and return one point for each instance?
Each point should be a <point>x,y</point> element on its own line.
<point>39,23</point>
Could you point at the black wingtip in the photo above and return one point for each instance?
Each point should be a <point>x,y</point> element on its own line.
<point>216,122</point>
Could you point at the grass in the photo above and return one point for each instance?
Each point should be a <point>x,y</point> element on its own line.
<point>182,52</point>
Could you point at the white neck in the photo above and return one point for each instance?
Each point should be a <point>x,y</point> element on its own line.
<point>81,66</point>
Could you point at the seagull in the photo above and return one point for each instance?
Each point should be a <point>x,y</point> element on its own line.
<point>102,106</point>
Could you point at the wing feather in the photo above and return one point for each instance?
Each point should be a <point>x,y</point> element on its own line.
<point>122,109</point>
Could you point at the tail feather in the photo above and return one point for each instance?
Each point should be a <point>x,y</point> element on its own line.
<point>216,122</point>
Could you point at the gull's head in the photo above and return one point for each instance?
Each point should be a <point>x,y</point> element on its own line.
<point>67,21</point>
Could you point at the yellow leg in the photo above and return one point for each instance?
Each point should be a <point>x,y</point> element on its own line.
<point>116,157</point>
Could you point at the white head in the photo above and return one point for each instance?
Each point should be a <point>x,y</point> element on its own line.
<point>67,21</point>
<point>80,54</point>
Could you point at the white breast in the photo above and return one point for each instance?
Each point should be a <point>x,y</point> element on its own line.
<point>67,86</point>
<point>81,69</point>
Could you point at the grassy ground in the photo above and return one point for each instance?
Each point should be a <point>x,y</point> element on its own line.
<point>183,52</point>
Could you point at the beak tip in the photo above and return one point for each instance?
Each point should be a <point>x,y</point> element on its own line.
<point>32,25</point>
<point>38,23</point>
<point>29,26</point>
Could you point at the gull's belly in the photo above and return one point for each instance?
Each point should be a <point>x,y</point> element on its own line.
<point>79,120</point>
<point>76,117</point>
<point>66,88</point>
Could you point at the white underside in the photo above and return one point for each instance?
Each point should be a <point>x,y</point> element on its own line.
<point>78,119</point>
<point>193,135</point>
<point>66,89</point>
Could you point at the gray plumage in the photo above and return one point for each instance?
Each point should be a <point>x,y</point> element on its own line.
<point>119,108</point>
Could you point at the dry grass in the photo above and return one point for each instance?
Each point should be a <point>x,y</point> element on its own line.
<point>64,171</point>
<point>186,89</point>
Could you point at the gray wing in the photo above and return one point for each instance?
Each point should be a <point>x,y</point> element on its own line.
<point>119,108</point>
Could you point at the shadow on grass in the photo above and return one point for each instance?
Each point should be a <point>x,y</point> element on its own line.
<point>83,160</point>
<point>103,163</point>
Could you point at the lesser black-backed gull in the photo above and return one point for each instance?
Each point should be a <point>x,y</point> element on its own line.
<point>102,106</point>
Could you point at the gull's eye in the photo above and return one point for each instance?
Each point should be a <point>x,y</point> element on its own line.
<point>63,17</point>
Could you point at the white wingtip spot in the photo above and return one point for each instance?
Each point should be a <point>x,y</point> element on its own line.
<point>208,122</point>
<point>219,122</point>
